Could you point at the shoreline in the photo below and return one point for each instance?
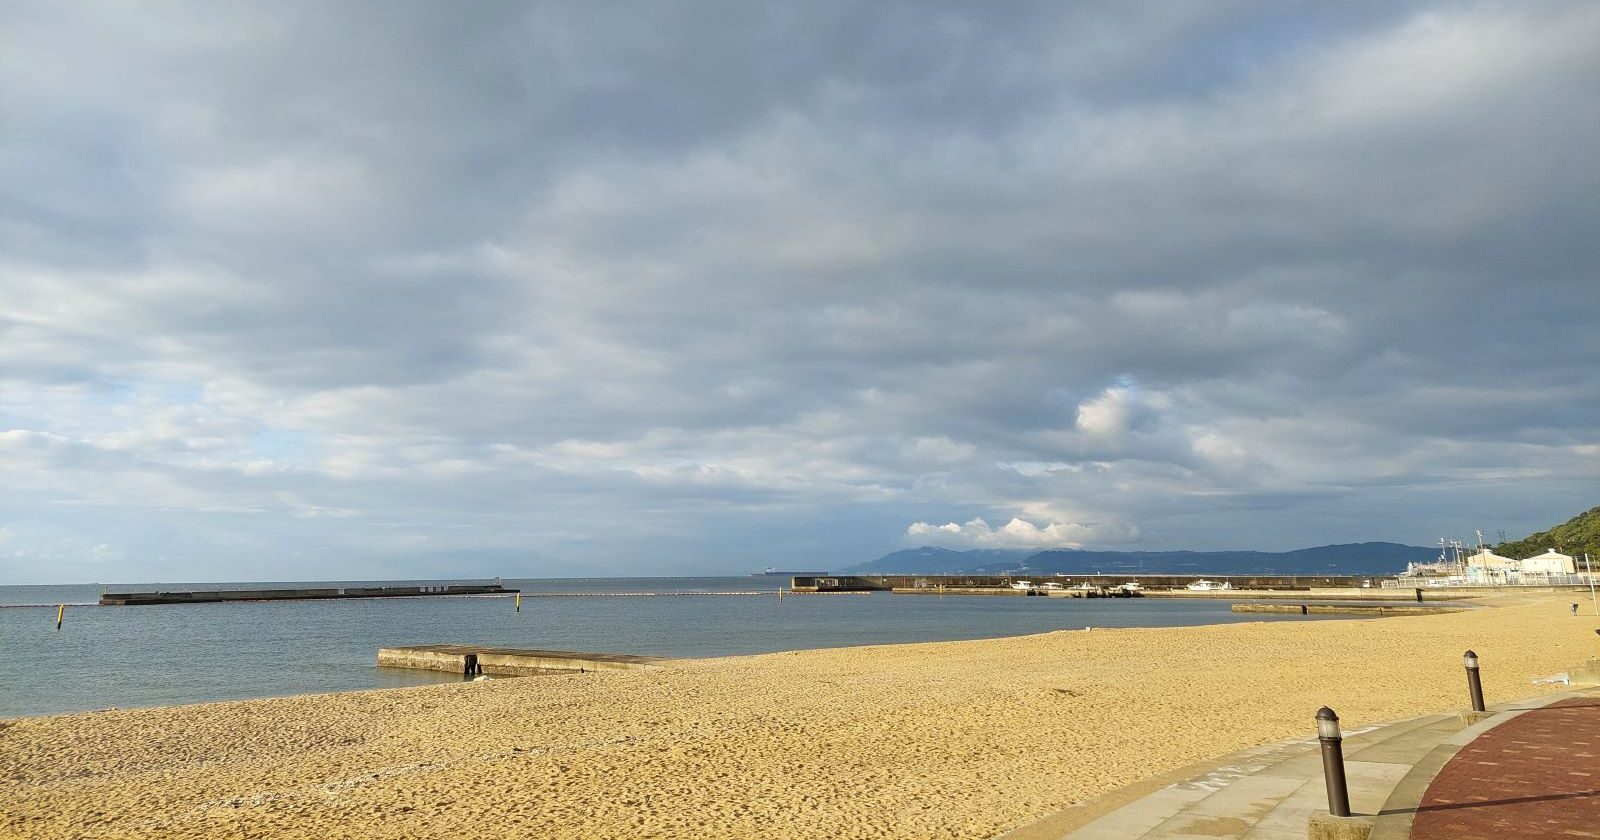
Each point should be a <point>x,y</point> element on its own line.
<point>433,678</point>
<point>917,740</point>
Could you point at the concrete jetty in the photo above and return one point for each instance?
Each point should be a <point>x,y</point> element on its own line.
<point>1377,610</point>
<point>213,596</point>
<point>471,660</point>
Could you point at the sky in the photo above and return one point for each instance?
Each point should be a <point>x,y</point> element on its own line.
<point>335,290</point>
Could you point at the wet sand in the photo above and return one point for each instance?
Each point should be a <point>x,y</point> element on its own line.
<point>940,740</point>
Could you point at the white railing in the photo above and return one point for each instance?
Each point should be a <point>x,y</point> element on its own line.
<point>1510,579</point>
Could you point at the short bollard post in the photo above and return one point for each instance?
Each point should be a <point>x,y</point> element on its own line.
<point>1333,762</point>
<point>1474,683</point>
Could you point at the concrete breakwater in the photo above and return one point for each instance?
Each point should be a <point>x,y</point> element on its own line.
<point>212,596</point>
<point>696,594</point>
<point>962,590</point>
<point>1377,610</point>
<point>469,660</point>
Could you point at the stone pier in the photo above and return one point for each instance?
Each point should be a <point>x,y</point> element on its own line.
<point>470,660</point>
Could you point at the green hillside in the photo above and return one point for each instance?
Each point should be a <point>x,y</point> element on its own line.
<point>1577,535</point>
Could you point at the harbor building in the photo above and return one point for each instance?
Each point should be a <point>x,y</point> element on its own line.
<point>1488,568</point>
<point>1486,559</point>
<point>1551,562</point>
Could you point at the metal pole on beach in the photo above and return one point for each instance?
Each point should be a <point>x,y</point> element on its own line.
<point>1590,567</point>
<point>1333,762</point>
<point>1474,683</point>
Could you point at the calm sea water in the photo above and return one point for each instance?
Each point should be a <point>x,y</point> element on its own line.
<point>159,655</point>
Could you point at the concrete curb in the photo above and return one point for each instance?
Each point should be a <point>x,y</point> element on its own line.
<point>1397,769</point>
<point>1079,814</point>
<point>1076,816</point>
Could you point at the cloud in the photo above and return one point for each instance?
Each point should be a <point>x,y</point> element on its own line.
<point>44,547</point>
<point>1117,411</point>
<point>601,290</point>
<point>1018,533</point>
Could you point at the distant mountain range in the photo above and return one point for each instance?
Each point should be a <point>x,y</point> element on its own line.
<point>1371,558</point>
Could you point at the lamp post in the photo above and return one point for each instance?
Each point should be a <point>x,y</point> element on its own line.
<point>1333,762</point>
<point>1474,682</point>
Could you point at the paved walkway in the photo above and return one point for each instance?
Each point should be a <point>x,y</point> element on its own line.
<point>1271,792</point>
<point>1535,776</point>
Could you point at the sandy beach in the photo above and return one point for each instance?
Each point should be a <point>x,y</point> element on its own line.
<point>943,740</point>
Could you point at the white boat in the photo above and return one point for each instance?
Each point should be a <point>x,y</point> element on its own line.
<point>1204,585</point>
<point>1050,584</point>
<point>1023,585</point>
<point>1086,587</point>
<point>1132,586</point>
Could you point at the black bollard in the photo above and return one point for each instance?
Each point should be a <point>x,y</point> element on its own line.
<point>1333,762</point>
<point>1474,683</point>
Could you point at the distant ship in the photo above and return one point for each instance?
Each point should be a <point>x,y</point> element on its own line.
<point>773,572</point>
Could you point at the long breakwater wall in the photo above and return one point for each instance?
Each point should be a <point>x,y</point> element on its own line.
<point>212,596</point>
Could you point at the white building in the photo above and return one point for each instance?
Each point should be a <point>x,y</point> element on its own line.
<point>1551,562</point>
<point>1489,569</point>
<point>1486,559</point>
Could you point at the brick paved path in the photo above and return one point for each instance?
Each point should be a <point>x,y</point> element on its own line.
<point>1537,775</point>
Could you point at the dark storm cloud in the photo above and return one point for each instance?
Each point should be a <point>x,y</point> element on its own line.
<point>686,287</point>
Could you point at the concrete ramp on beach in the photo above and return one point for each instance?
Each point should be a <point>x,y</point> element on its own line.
<point>470,660</point>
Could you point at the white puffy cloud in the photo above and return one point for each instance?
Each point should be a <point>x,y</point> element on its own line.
<point>1116,411</point>
<point>1019,533</point>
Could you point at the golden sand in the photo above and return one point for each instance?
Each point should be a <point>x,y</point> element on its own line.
<point>944,740</point>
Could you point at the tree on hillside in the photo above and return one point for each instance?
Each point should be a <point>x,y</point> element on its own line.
<point>1574,537</point>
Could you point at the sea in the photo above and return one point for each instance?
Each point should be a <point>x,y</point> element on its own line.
<point>122,657</point>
